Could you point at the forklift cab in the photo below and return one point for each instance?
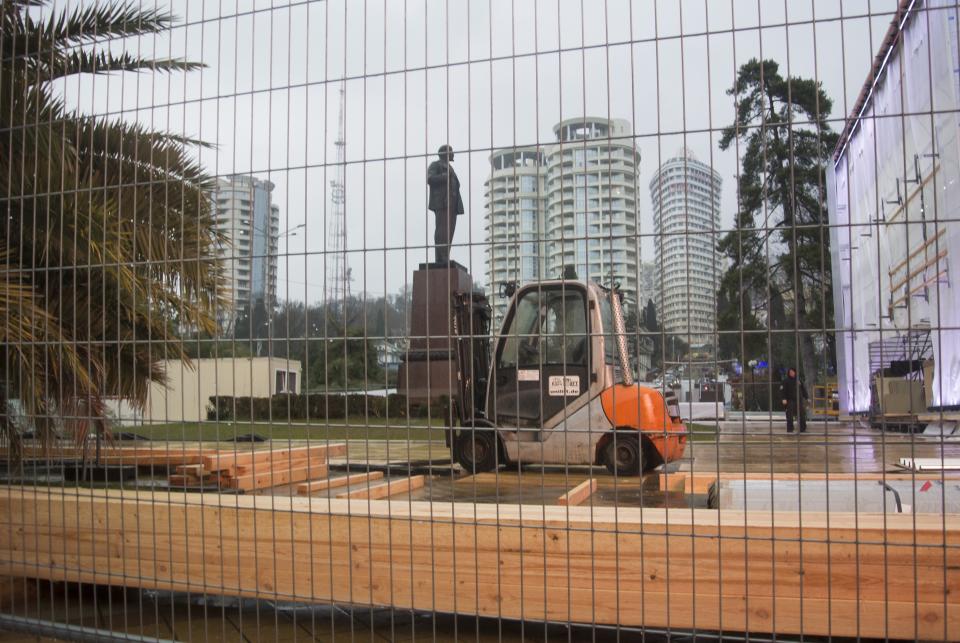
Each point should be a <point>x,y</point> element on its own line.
<point>542,358</point>
<point>548,353</point>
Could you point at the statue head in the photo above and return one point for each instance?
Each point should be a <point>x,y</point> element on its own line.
<point>445,153</point>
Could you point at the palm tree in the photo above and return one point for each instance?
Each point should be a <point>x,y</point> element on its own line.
<point>108,247</point>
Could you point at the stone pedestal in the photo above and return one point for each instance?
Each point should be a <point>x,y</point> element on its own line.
<point>429,369</point>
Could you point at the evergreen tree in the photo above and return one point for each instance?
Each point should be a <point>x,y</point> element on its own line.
<point>781,242</point>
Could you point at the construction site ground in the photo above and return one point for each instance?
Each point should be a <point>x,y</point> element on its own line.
<point>754,449</point>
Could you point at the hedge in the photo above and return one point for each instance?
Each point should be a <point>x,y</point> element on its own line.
<point>283,407</point>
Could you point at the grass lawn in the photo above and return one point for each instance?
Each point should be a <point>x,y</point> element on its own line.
<point>702,432</point>
<point>355,428</point>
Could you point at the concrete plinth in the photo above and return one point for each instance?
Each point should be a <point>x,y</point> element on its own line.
<point>429,370</point>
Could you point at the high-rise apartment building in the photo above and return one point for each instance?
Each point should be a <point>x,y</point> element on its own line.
<point>514,221</point>
<point>570,203</point>
<point>251,224</point>
<point>686,218</point>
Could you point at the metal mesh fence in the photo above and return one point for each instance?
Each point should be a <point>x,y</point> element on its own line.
<point>423,319</point>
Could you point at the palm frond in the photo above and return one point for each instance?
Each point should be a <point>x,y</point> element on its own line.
<point>84,61</point>
<point>89,23</point>
<point>44,361</point>
<point>113,243</point>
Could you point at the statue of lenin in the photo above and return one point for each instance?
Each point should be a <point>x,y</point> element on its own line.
<point>445,202</point>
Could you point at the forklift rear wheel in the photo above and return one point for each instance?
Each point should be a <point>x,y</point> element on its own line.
<point>624,457</point>
<point>477,450</point>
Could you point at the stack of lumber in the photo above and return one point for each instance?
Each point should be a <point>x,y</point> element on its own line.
<point>257,469</point>
<point>156,456</point>
<point>839,575</point>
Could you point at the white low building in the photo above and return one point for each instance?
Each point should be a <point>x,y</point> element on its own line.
<point>189,387</point>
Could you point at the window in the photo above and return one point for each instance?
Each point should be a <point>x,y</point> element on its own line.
<point>528,184</point>
<point>529,270</point>
<point>548,327</point>
<point>528,220</point>
<point>580,199</point>
<point>285,382</point>
<point>520,347</point>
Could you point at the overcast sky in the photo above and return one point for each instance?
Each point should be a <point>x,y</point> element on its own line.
<point>477,74</point>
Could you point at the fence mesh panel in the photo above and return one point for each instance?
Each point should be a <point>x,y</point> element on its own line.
<point>479,319</point>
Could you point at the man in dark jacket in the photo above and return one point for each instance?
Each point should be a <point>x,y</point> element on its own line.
<point>793,395</point>
<point>445,202</point>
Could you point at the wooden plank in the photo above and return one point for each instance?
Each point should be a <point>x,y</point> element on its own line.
<point>931,464</point>
<point>155,456</point>
<point>837,574</point>
<point>675,482</point>
<point>178,480</point>
<point>579,493</point>
<point>700,482</point>
<point>390,488</point>
<point>911,196</point>
<point>225,459</point>
<point>307,488</point>
<point>918,270</point>
<point>268,477</point>
<point>195,470</point>
<point>920,248</point>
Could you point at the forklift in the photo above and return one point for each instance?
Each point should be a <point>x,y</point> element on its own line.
<point>558,387</point>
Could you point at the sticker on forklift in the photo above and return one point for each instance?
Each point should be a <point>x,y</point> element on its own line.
<point>528,375</point>
<point>566,385</point>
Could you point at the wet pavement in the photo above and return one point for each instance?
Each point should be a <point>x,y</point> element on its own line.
<point>825,448</point>
<point>754,446</point>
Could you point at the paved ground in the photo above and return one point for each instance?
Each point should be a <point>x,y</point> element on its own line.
<point>825,447</point>
<point>754,446</point>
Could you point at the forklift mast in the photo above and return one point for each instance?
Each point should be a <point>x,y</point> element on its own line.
<point>471,327</point>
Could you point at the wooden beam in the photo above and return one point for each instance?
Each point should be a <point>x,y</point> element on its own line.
<point>390,488</point>
<point>675,482</point>
<point>224,459</point>
<point>195,470</point>
<point>700,482</point>
<point>911,196</point>
<point>579,493</point>
<point>167,456</point>
<point>267,477</point>
<point>845,575</point>
<point>307,488</point>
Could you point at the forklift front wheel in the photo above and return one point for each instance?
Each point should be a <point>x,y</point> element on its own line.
<point>623,455</point>
<point>477,450</point>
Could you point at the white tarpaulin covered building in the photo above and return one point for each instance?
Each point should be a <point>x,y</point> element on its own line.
<point>894,201</point>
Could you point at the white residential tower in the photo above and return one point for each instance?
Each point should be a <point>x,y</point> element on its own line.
<point>686,218</point>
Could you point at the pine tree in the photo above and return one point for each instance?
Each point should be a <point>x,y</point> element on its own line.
<point>780,246</point>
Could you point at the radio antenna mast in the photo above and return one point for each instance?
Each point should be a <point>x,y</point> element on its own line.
<point>338,273</point>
